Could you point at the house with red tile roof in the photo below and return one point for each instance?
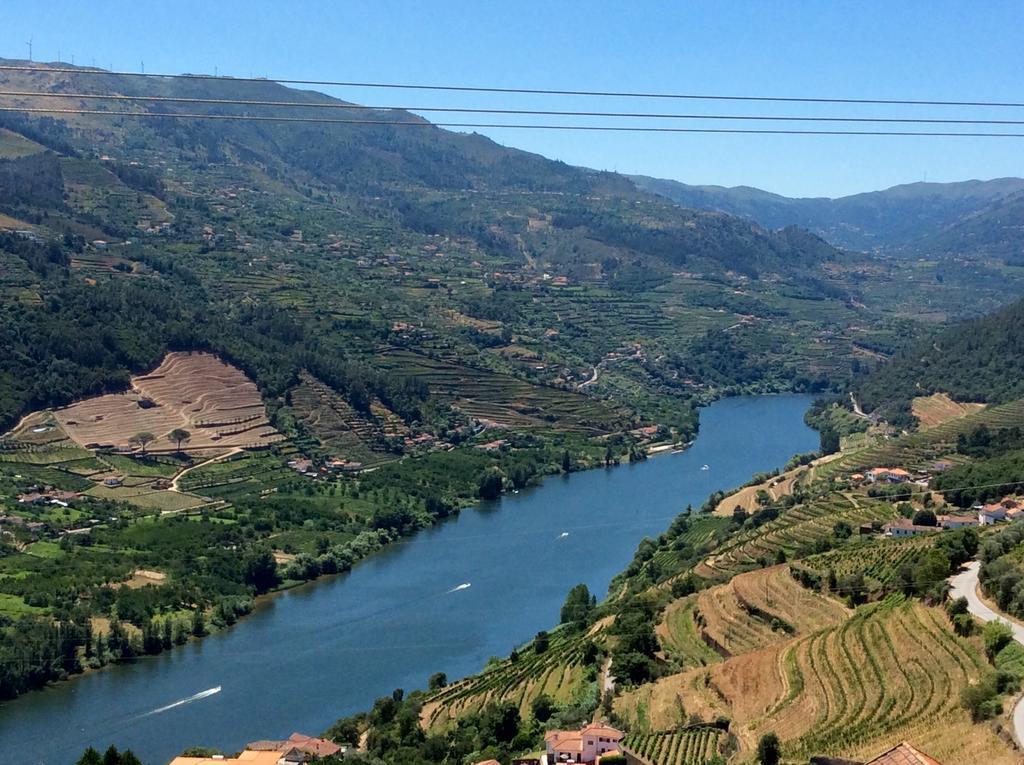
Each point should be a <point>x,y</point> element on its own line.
<point>586,745</point>
<point>318,747</point>
<point>903,754</point>
<point>892,475</point>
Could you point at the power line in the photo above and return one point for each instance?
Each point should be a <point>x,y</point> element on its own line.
<point>503,126</point>
<point>525,112</point>
<point>526,91</point>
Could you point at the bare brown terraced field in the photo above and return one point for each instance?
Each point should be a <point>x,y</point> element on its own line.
<point>750,612</point>
<point>932,411</point>
<point>776,487</point>
<point>893,671</point>
<point>214,401</point>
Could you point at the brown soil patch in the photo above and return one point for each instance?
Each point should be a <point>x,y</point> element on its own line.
<point>938,408</point>
<point>777,487</point>
<point>891,672</point>
<point>141,578</point>
<point>214,401</point>
<point>761,608</point>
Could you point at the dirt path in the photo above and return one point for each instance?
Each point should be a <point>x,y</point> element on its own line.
<point>856,407</point>
<point>965,585</point>
<point>591,381</point>
<point>181,474</point>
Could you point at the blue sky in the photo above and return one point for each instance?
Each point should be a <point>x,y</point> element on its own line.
<point>905,49</point>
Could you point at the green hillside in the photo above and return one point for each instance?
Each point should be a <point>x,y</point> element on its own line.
<point>978,360</point>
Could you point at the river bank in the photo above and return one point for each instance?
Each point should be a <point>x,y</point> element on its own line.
<point>309,655</point>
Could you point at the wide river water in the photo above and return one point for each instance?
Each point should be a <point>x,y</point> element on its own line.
<point>311,655</point>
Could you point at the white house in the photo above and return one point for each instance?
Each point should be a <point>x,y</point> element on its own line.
<point>583,746</point>
<point>958,521</point>
<point>904,527</point>
<point>892,475</point>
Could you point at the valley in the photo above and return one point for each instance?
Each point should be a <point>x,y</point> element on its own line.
<point>449,382</point>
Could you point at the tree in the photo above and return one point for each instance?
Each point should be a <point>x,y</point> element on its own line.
<point>178,435</point>
<point>437,681</point>
<point>578,605</point>
<point>90,757</point>
<point>142,440</point>
<point>566,461</point>
<point>260,570</point>
<point>925,518</point>
<point>829,440</point>
<point>542,708</point>
<point>996,637</point>
<point>198,623</point>
<point>541,642</point>
<point>768,749</point>
<point>842,530</point>
<point>490,484</point>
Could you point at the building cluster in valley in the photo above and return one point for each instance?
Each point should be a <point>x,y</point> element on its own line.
<point>297,749</point>
<point>590,745</point>
<point>1007,509</point>
<point>35,522</point>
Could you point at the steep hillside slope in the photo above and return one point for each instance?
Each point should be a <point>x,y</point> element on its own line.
<point>981,360</point>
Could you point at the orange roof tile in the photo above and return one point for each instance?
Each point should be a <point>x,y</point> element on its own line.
<point>903,754</point>
<point>597,729</point>
<point>564,740</point>
<point>248,757</point>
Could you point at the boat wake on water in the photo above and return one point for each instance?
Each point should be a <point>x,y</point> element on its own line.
<point>182,702</point>
<point>463,586</point>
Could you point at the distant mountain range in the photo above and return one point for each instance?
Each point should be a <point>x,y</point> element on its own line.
<point>914,218</point>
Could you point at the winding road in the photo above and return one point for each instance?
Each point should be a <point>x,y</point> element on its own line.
<point>965,585</point>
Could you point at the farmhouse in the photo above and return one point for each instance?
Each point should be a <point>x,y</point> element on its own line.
<point>585,745</point>
<point>892,475</point>
<point>958,521</point>
<point>904,527</point>
<point>1007,509</point>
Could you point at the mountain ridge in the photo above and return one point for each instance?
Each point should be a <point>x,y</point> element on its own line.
<point>897,219</point>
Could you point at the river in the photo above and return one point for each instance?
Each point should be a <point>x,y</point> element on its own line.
<point>311,655</point>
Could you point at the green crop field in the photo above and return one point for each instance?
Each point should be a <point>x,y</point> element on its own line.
<point>694,746</point>
<point>878,560</point>
<point>558,672</point>
<point>794,530</point>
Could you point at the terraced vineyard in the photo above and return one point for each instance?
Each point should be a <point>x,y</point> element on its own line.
<point>557,672</point>
<point>680,636</point>
<point>244,474</point>
<point>504,399</point>
<point>215,401</point>
<point>879,560</point>
<point>700,536</point>
<point>794,529</point>
<point>891,672</point>
<point>340,428</point>
<point>919,451</point>
<point>750,612</point>
<point>694,746</point>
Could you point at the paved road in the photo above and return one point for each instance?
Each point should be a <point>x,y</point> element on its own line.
<point>966,585</point>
